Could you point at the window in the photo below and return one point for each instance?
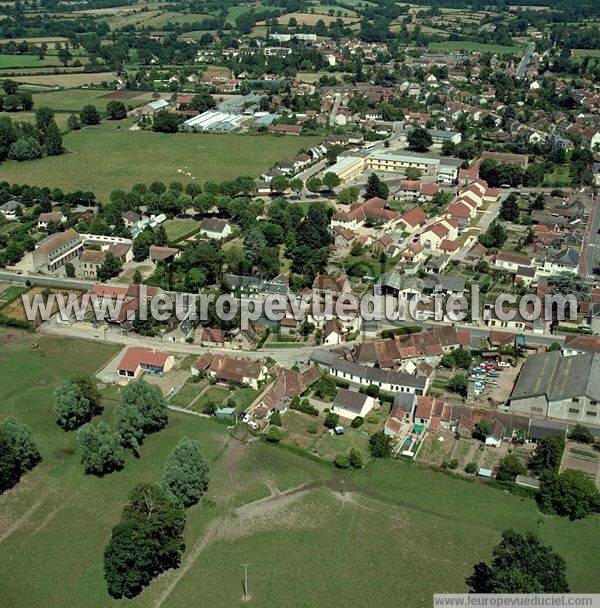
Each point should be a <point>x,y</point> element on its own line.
<point>590,413</point>
<point>593,403</point>
<point>573,411</point>
<point>575,400</point>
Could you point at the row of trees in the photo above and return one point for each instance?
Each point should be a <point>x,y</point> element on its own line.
<point>148,540</point>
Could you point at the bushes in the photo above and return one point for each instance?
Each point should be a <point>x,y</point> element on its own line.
<point>570,494</point>
<point>331,420</point>
<point>273,435</point>
<point>354,460</point>
<point>357,422</point>
<point>303,406</point>
<point>471,468</point>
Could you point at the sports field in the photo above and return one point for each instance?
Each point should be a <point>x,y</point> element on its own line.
<point>109,156</point>
<point>472,47</point>
<point>388,535</point>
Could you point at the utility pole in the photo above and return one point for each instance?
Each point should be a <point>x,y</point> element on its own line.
<point>246,595</point>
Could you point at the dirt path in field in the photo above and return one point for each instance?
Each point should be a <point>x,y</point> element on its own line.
<point>23,519</point>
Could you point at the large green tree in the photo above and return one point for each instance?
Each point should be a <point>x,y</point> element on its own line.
<point>71,407</point>
<point>146,542</point>
<point>149,401</point>
<point>101,452</point>
<point>571,494</point>
<point>185,473</point>
<point>520,564</point>
<point>18,452</point>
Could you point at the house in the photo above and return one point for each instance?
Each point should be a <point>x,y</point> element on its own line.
<point>352,404</point>
<point>130,218</point>
<point>333,332</point>
<point>522,160</point>
<point>374,209</point>
<point>551,385</point>
<point>387,380</point>
<point>154,106</point>
<point>53,252</point>
<point>401,412</point>
<point>11,210</point>
<point>52,218</point>
<point>138,360</point>
<point>432,411</point>
<point>511,261</point>
<point>329,285</point>
<point>399,285</point>
<point>432,237</point>
<point>163,254</point>
<point>211,336</point>
<point>288,384</point>
<point>412,219</point>
<point>215,228</point>
<point>285,129</point>
<point>229,369</point>
<point>89,263</point>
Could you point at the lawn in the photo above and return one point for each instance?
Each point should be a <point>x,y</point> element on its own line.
<point>466,45</point>
<point>391,517</point>
<point>178,230</point>
<point>107,157</point>
<point>61,119</point>
<point>73,100</point>
<point>25,61</point>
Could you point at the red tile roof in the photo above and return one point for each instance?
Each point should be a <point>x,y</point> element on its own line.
<point>136,356</point>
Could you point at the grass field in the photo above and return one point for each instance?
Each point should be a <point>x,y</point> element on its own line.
<point>178,230</point>
<point>304,547</point>
<point>586,52</point>
<point>67,80</point>
<point>73,100</point>
<point>25,61</point>
<point>106,157</point>
<point>61,119</point>
<point>465,45</point>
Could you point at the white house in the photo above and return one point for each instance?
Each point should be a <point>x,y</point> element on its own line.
<point>351,404</point>
<point>215,228</point>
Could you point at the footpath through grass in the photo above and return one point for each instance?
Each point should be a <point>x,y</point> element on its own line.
<point>389,535</point>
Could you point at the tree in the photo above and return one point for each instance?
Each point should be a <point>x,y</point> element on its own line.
<point>376,188</point>
<point>71,406</point>
<point>130,426</point>
<point>64,56</point>
<point>116,110</point>
<point>331,420</point>
<point>462,357</point>
<point>571,494</point>
<point>331,180</point>
<point>296,184</point>
<point>547,455</point>
<point>341,461</point>
<point>279,183</point>
<point>273,435</point>
<point>380,445</point>
<point>355,458</point>
<point>509,210</point>
<point>203,101</point>
<point>567,283</point>
<point>43,117</point>
<point>509,467</point>
<point>69,270</point>
<point>101,451</point>
<point>111,267</point>
<point>458,384</point>
<point>520,564</point>
<point>314,184</point>
<point>137,277</point>
<point>347,196</point>
<point>494,237</point>
<point>147,541</point>
<point>90,115</point>
<point>25,148</point>
<point>482,430</point>
<point>53,142</point>
<point>581,434</point>
<point>87,385</point>
<point>275,418</point>
<point>419,140</point>
<point>149,401</point>
<point>73,123</point>
<point>412,173</point>
<point>18,452</point>
<point>165,122</point>
<point>141,244</point>
<point>185,474</point>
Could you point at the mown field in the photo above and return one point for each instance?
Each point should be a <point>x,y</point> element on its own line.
<point>25,61</point>
<point>335,539</point>
<point>73,100</point>
<point>472,47</point>
<point>109,156</point>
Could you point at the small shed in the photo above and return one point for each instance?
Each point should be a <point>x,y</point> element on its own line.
<point>527,482</point>
<point>487,473</point>
<point>225,413</point>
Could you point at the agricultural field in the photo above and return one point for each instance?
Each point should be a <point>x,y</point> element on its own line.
<point>66,81</point>
<point>109,156</point>
<point>8,293</point>
<point>472,47</point>
<point>586,52</point>
<point>263,500</point>
<point>311,18</point>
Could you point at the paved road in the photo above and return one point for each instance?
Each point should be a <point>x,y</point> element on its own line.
<point>334,110</point>
<point>590,241</point>
<point>526,60</point>
<point>38,279</point>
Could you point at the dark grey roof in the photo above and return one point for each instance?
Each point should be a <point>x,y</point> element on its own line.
<point>371,374</point>
<point>536,375</point>
<point>404,401</point>
<point>350,400</point>
<point>446,282</point>
<point>213,224</point>
<point>236,281</point>
<point>538,429</point>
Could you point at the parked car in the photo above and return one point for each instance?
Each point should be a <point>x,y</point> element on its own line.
<point>504,364</point>
<point>491,381</point>
<point>493,374</point>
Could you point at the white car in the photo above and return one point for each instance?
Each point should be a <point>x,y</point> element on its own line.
<point>253,425</point>
<point>504,364</point>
